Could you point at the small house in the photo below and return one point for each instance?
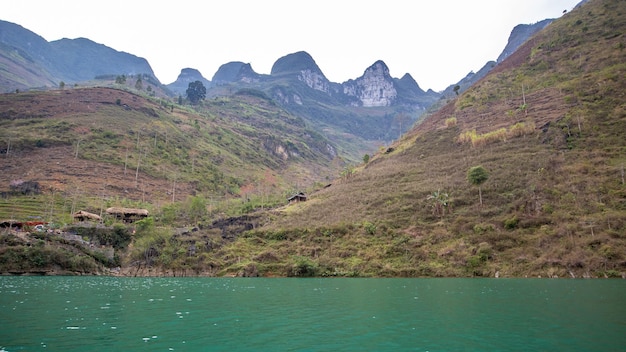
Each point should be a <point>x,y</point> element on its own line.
<point>85,216</point>
<point>128,214</point>
<point>299,197</point>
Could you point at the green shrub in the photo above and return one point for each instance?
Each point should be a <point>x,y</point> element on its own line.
<point>482,228</point>
<point>511,223</point>
<point>370,228</point>
<point>484,251</point>
<point>276,235</point>
<point>145,225</point>
<point>303,267</point>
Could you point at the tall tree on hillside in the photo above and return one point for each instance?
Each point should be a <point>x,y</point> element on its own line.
<point>196,92</point>
<point>477,175</point>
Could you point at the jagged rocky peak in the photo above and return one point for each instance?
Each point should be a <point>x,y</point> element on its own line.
<point>409,84</point>
<point>304,67</point>
<point>374,88</point>
<point>235,71</point>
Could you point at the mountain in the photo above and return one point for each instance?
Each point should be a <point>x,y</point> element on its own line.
<point>520,175</point>
<point>186,76</point>
<point>235,72</point>
<point>520,34</point>
<point>357,115</point>
<point>25,56</point>
<point>375,88</point>
<point>82,59</point>
<point>69,60</point>
<point>295,64</point>
<point>547,124</point>
<point>337,108</point>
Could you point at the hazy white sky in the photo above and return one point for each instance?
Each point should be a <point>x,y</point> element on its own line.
<point>437,41</point>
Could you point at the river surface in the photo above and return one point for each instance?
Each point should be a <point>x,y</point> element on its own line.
<point>241,314</point>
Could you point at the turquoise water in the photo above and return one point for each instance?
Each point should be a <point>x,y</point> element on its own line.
<point>210,314</point>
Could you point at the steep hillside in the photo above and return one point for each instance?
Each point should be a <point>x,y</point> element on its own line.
<point>82,59</point>
<point>18,71</point>
<point>521,175</point>
<point>111,141</point>
<point>548,125</point>
<point>519,35</point>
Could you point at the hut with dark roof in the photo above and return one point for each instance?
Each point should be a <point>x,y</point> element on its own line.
<point>299,197</point>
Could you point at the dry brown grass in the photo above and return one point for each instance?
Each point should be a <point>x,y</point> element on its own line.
<point>553,142</point>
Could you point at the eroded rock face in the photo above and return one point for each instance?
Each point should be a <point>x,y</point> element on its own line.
<point>314,80</point>
<point>374,88</point>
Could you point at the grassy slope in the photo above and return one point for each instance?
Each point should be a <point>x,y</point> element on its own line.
<point>555,202</point>
<point>354,130</point>
<point>92,140</point>
<point>549,127</point>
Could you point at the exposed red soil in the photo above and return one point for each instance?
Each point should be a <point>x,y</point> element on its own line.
<point>56,169</point>
<point>59,103</point>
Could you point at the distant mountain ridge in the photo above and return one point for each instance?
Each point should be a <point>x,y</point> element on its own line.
<point>375,88</point>
<point>68,60</point>
<point>359,114</point>
<point>80,59</point>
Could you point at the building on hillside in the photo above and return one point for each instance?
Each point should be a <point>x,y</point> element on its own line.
<point>299,197</point>
<point>85,216</point>
<point>127,214</point>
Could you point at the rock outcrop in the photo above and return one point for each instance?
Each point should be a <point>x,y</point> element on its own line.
<point>374,88</point>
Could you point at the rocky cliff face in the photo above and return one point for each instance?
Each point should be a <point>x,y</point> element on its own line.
<point>374,88</point>
<point>314,80</point>
<point>302,66</point>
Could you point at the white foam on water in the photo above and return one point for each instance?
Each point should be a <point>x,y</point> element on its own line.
<point>72,328</point>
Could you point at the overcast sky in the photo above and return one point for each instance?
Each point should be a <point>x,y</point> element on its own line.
<point>436,41</point>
